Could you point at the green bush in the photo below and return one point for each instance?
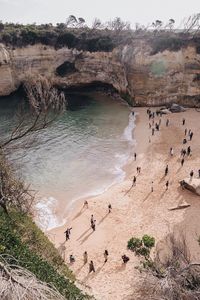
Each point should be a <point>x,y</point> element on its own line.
<point>148,241</point>
<point>18,35</point>
<point>142,246</point>
<point>134,244</point>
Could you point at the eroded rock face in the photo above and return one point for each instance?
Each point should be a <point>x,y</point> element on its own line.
<point>192,185</point>
<point>167,77</point>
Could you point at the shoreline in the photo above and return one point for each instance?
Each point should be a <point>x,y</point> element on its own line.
<point>49,204</point>
<point>126,168</point>
<point>76,209</point>
<point>135,213</point>
<point>122,167</point>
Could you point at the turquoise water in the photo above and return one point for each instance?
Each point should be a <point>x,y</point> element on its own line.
<point>80,154</point>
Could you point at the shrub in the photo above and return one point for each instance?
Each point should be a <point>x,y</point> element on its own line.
<point>134,244</point>
<point>142,246</point>
<point>148,241</point>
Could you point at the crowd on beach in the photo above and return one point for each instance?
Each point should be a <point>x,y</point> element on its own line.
<point>125,258</point>
<point>155,121</point>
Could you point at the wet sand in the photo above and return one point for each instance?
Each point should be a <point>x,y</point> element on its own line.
<point>136,212</point>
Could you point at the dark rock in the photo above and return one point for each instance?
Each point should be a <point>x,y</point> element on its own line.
<point>192,185</point>
<point>177,108</point>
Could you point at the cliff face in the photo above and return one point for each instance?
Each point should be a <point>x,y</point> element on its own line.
<point>147,79</point>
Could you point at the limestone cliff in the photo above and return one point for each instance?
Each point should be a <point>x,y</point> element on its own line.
<point>146,79</point>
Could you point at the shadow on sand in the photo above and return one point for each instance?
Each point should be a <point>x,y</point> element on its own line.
<point>82,235</point>
<point>147,196</point>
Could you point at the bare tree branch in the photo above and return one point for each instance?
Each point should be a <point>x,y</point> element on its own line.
<point>18,283</point>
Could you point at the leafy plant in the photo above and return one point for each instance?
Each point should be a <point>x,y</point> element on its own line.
<point>142,247</point>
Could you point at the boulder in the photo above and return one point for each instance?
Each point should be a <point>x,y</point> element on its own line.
<point>192,185</point>
<point>177,108</point>
<point>165,111</point>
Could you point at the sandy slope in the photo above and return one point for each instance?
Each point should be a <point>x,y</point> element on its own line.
<point>137,212</point>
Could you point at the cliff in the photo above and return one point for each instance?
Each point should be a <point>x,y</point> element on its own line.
<point>143,78</point>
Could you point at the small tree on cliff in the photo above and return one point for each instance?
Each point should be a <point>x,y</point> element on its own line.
<point>157,25</point>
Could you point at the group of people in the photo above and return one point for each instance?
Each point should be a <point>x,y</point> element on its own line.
<point>183,153</point>
<point>124,257</point>
<point>85,260</point>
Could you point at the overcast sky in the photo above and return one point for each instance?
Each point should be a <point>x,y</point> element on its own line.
<point>55,11</point>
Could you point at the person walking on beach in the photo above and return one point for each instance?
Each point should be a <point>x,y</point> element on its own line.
<point>191,174</point>
<point>67,233</point>
<point>109,208</point>
<point>191,135</point>
<point>85,257</point>
<point>185,131</point>
<point>85,205</point>
<point>125,258</point>
<point>71,259</point>
<point>152,186</point>
<point>135,156</point>
<point>166,170</point>
<point>188,151</point>
<point>184,152</point>
<point>199,172</point>
<point>183,121</point>
<point>184,141</point>
<point>167,185</point>
<point>152,132</point>
<point>105,256</point>
<point>93,226</point>
<point>182,161</point>
<point>167,122</point>
<point>171,151</point>
<point>91,267</point>
<point>92,219</point>
<point>134,181</point>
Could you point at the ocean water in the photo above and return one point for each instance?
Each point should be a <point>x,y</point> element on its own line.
<point>81,154</point>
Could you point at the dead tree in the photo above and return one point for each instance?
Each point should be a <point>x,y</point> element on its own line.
<point>18,283</point>
<point>178,277</point>
<point>45,104</point>
<point>192,24</point>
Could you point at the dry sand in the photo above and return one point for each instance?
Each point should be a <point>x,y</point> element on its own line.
<point>137,212</point>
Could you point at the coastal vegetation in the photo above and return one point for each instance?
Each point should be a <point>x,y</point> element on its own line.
<point>24,245</point>
<point>75,33</point>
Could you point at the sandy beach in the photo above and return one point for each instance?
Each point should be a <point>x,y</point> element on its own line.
<point>136,212</point>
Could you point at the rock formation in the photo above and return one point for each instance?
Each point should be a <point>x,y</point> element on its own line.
<point>142,78</point>
<point>192,185</point>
